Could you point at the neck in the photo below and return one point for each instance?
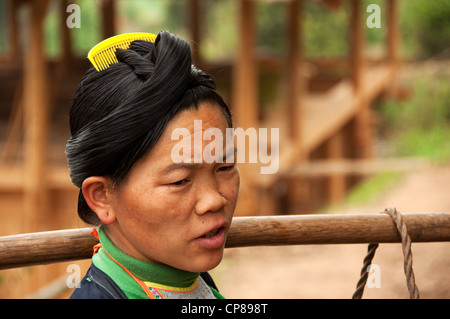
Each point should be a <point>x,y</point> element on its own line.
<point>143,269</point>
<point>116,237</point>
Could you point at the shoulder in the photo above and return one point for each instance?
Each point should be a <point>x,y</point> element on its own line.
<point>97,285</point>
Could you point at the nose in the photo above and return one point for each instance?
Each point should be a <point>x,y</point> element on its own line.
<point>209,199</point>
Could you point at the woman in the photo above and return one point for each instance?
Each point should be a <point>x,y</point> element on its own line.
<point>162,224</point>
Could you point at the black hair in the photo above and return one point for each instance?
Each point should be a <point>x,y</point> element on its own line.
<point>118,114</point>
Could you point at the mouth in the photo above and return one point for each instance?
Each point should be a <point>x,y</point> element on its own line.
<point>213,239</point>
<point>212,233</point>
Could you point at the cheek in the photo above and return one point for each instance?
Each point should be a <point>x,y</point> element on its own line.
<point>231,189</point>
<point>150,218</point>
<point>236,183</point>
<point>134,205</point>
<point>152,210</point>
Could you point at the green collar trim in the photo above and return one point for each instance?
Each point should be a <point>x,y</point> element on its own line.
<point>146,271</point>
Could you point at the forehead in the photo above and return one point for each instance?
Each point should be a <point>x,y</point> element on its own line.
<point>193,122</point>
<point>209,112</point>
<point>196,121</point>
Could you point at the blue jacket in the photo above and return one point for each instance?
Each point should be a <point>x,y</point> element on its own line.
<point>98,285</point>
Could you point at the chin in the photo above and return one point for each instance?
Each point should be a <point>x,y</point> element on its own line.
<point>206,262</point>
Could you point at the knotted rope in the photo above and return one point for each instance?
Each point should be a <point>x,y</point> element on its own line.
<point>407,258</point>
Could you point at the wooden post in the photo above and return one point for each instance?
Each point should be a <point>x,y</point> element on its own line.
<point>294,69</point>
<point>245,80</point>
<point>194,8</point>
<point>244,106</point>
<point>357,44</point>
<point>108,12</point>
<point>362,128</point>
<point>13,30</point>
<point>336,182</point>
<point>393,43</point>
<point>35,117</point>
<point>66,39</point>
<point>35,97</point>
<point>393,31</point>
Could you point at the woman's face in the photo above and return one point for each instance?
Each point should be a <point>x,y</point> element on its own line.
<point>176,213</point>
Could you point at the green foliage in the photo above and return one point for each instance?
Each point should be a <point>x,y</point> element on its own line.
<point>89,34</point>
<point>426,26</point>
<point>3,27</point>
<point>433,143</point>
<point>325,30</point>
<point>421,125</point>
<point>52,31</point>
<point>271,27</point>
<point>154,16</point>
<point>366,191</point>
<point>219,29</point>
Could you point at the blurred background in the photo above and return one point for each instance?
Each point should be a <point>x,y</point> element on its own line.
<point>358,88</point>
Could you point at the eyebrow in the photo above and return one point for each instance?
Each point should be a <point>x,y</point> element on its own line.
<point>176,166</point>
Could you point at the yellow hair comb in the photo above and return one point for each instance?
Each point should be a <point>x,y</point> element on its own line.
<point>103,54</point>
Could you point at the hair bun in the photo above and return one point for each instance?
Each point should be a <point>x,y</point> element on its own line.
<point>171,57</point>
<point>140,65</point>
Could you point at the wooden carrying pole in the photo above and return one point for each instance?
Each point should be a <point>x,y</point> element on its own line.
<point>74,244</point>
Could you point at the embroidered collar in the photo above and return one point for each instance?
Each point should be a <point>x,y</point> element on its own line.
<point>157,274</point>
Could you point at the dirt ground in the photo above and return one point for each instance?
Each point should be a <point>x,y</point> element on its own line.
<point>332,271</point>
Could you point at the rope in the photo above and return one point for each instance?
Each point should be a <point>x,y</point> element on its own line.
<point>407,258</point>
<point>407,254</point>
<point>364,271</point>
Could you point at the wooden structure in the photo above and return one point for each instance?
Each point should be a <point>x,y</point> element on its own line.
<point>315,124</point>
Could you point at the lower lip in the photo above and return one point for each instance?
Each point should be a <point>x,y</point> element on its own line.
<point>217,241</point>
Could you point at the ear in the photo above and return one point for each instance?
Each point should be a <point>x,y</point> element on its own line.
<point>97,193</point>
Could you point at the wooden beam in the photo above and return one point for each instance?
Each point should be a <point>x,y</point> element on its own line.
<point>244,106</point>
<point>108,16</point>
<point>335,229</point>
<point>357,43</point>
<point>245,77</point>
<point>362,130</point>
<point>35,117</point>
<point>13,29</point>
<point>294,85</point>
<point>15,126</point>
<point>66,60</point>
<point>73,244</point>
<point>343,166</point>
<point>63,245</point>
<point>393,35</point>
<point>334,149</point>
<point>194,9</point>
<point>393,42</point>
<point>14,179</point>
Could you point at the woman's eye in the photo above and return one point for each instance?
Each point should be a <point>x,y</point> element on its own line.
<point>226,168</point>
<point>180,182</point>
